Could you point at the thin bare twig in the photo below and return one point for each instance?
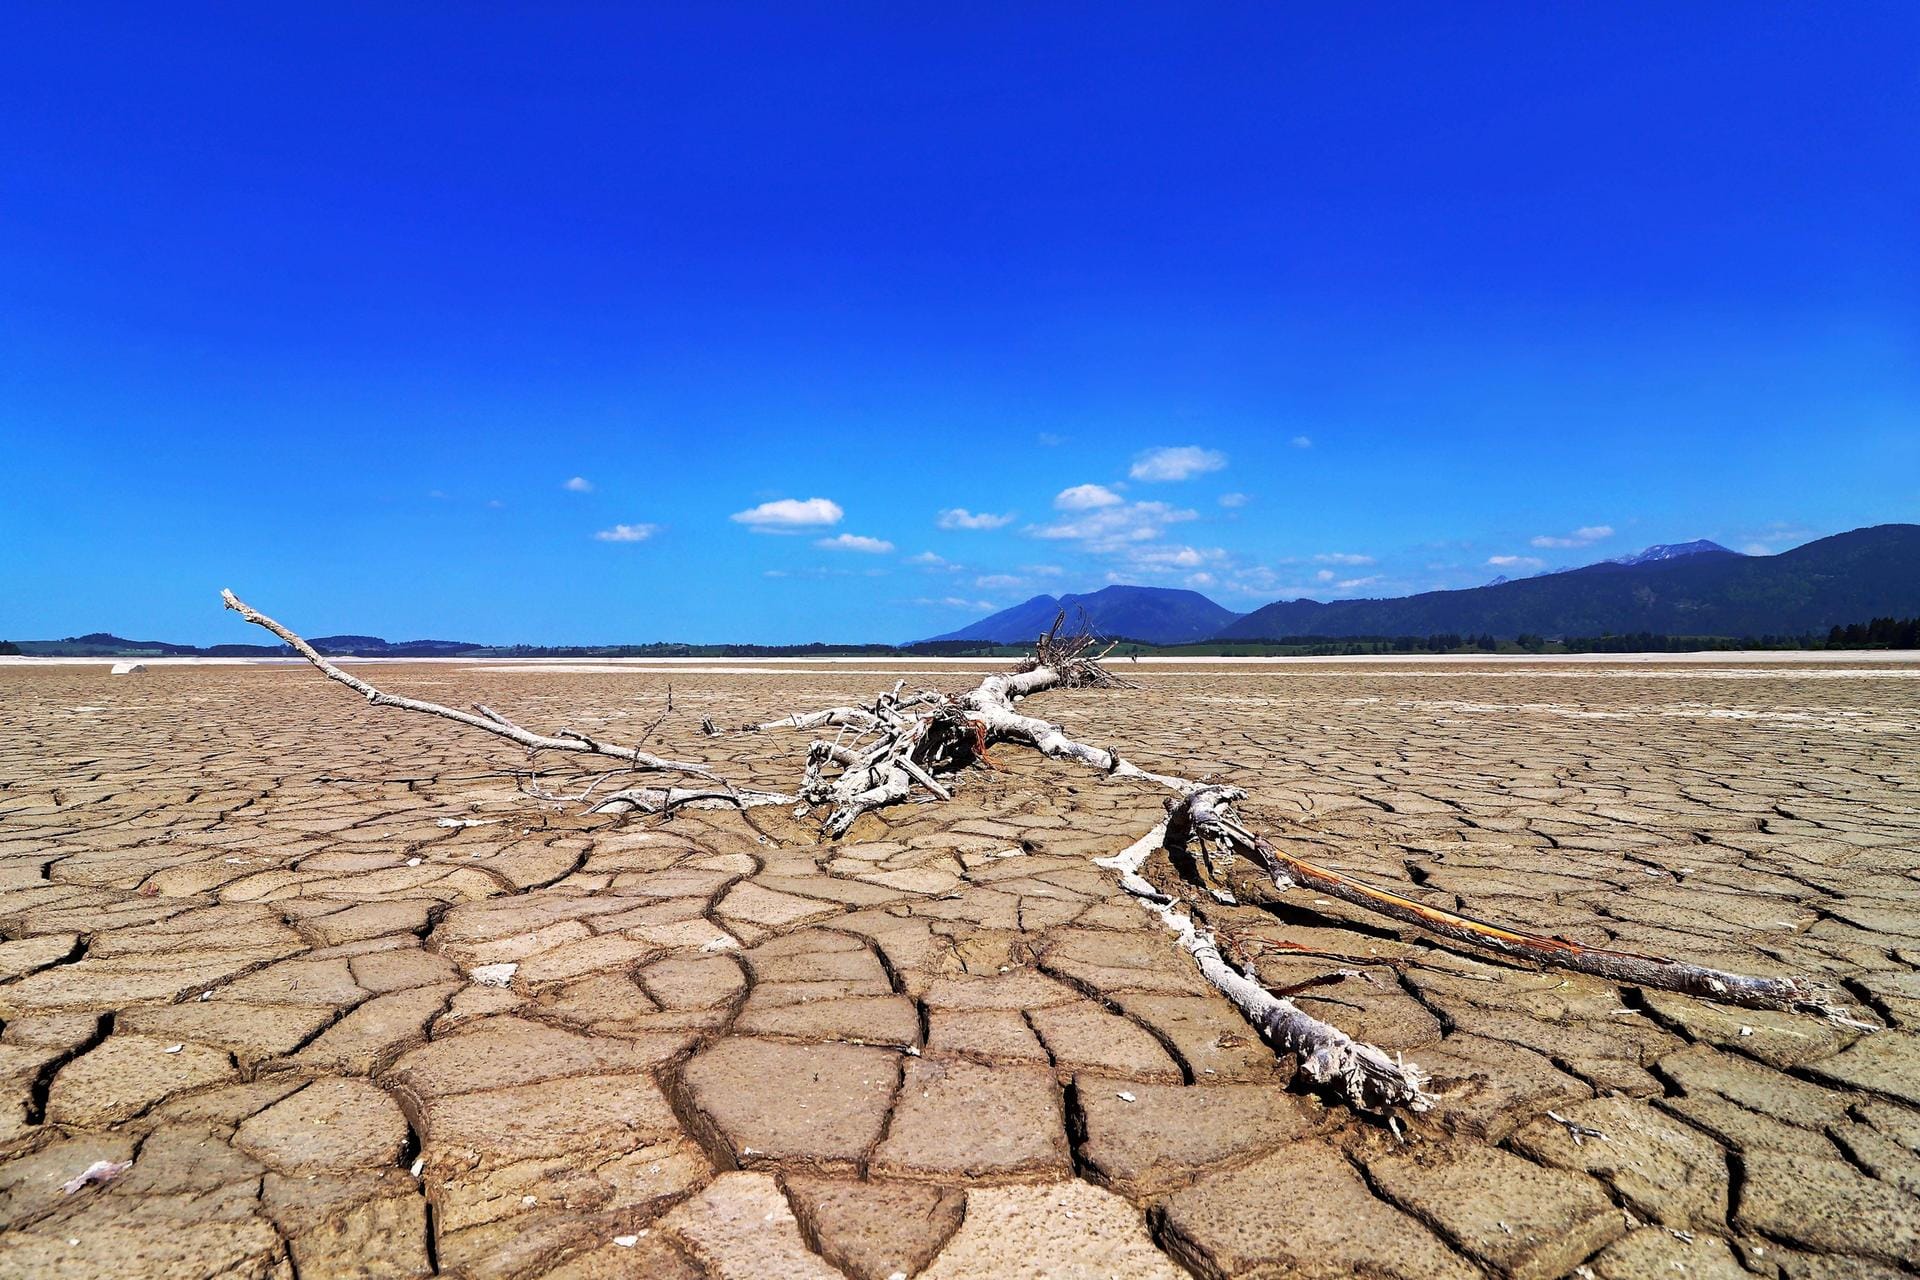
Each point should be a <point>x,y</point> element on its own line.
<point>483,718</point>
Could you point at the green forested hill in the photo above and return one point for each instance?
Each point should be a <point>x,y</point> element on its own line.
<point>1849,577</point>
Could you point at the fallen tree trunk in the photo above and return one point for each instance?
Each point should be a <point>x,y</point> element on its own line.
<point>905,741</point>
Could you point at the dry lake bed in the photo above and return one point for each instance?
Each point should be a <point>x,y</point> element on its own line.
<point>318,990</point>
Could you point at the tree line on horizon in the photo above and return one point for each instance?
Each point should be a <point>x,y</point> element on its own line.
<point>1877,633</point>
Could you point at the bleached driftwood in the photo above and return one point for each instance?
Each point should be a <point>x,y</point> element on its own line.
<point>482,718</point>
<point>902,741</point>
<point>991,706</point>
<point>1363,1074</point>
<point>1204,813</point>
<point>908,746</point>
<point>1205,817</point>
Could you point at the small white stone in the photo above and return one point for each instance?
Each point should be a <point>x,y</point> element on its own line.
<point>626,1242</point>
<point>413,862</point>
<point>1125,1096</point>
<point>419,1163</point>
<point>173,1048</point>
<point>99,1173</point>
<point>1746,1031</point>
<point>494,975</point>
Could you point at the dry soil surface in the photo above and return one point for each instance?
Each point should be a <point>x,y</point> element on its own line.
<point>345,1000</point>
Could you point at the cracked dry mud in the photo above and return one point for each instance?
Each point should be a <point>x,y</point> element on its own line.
<point>237,947</point>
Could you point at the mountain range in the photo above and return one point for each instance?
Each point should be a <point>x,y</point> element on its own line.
<point>1692,588</point>
<point>1684,589</point>
<point>1159,615</point>
<point>104,644</point>
<point>1672,551</point>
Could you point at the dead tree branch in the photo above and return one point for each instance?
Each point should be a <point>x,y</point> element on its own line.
<point>1205,817</point>
<point>883,751</point>
<point>1361,1073</point>
<point>481,718</point>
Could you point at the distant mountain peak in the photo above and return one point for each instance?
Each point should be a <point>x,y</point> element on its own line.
<point>1673,551</point>
<point>1161,615</point>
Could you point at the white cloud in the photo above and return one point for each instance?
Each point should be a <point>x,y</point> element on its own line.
<point>1180,462</point>
<point>628,533</point>
<point>790,515</point>
<point>961,518</point>
<point>1342,557</point>
<point>823,571</point>
<point>1301,442</point>
<point>998,581</point>
<point>1173,557</point>
<point>1234,500</point>
<point>1050,439</point>
<point>1582,537</point>
<point>1261,582</point>
<point>855,542</point>
<point>1516,562</point>
<point>579,484</point>
<point>1086,497</point>
<point>495,504</point>
<point>1200,580</point>
<point>956,602</point>
<point>928,560</point>
<point>1110,528</point>
<point>1776,537</point>
<point>1138,560</point>
<point>1252,580</point>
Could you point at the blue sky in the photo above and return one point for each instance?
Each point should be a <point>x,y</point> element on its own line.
<point>332,307</point>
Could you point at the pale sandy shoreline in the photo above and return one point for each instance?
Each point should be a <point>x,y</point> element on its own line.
<point>868,664</point>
